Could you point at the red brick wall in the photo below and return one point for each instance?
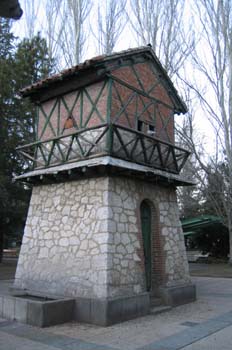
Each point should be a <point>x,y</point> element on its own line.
<point>163,115</point>
<point>157,113</point>
<point>58,123</point>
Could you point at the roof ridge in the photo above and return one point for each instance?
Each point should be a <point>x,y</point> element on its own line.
<point>94,62</point>
<point>85,64</point>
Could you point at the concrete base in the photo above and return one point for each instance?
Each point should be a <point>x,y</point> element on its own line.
<point>179,295</point>
<point>105,312</point>
<point>36,311</point>
<point>43,311</point>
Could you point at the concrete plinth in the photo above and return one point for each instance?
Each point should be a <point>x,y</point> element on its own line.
<point>105,312</point>
<point>36,311</point>
<point>178,295</point>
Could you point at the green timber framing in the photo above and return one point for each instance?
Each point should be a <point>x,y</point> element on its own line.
<point>110,136</point>
<point>136,94</point>
<point>140,148</point>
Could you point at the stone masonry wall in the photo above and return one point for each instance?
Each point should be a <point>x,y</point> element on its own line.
<point>169,264</point>
<point>83,238</point>
<point>64,248</point>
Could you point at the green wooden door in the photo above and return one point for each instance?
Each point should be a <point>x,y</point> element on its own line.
<point>145,212</point>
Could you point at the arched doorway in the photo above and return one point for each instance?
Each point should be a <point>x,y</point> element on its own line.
<point>145,215</point>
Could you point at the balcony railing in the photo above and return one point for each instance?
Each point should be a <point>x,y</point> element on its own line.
<point>106,139</point>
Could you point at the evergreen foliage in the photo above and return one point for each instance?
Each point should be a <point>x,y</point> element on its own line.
<point>20,65</point>
<point>213,240</point>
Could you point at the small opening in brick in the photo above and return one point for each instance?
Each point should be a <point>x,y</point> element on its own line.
<point>68,123</point>
<point>140,125</point>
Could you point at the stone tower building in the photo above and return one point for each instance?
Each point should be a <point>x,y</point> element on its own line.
<point>103,224</point>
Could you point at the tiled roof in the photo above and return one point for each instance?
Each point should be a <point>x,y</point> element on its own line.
<point>90,63</point>
<point>95,63</point>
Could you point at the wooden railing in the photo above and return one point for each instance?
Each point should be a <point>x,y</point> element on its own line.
<point>105,139</point>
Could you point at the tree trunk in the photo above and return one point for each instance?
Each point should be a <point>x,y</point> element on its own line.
<point>230,240</point>
<point>1,246</point>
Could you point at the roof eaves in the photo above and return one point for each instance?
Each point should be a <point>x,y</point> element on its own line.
<point>87,64</point>
<point>94,63</point>
<point>182,106</point>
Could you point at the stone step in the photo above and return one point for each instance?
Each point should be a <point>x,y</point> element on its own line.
<point>159,309</point>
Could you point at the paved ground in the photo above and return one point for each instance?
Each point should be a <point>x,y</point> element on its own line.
<point>205,324</point>
<point>7,268</point>
<point>211,270</point>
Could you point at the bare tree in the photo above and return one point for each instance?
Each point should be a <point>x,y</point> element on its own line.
<point>161,23</point>
<point>209,171</point>
<point>213,66</point>
<point>189,197</point>
<point>111,22</point>
<point>73,36</point>
<point>53,29</point>
<point>31,16</point>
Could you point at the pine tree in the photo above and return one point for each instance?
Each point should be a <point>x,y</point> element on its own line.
<point>31,63</point>
<point>19,66</point>
<point>6,60</point>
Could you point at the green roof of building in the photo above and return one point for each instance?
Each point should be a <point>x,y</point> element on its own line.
<point>192,226</point>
